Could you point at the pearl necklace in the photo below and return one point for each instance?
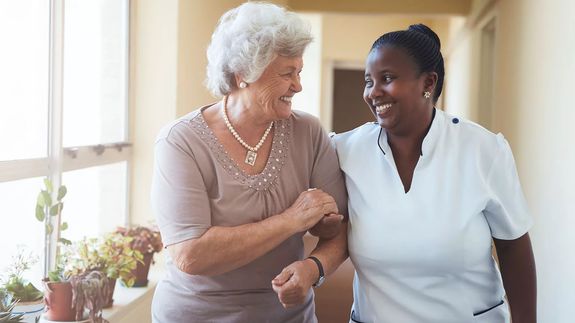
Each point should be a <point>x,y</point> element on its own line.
<point>251,154</point>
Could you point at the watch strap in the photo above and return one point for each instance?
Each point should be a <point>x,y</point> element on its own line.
<point>320,269</point>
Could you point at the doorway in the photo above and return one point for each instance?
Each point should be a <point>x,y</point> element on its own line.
<point>349,109</point>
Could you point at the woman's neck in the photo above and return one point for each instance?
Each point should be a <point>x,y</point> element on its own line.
<point>411,140</point>
<point>244,114</point>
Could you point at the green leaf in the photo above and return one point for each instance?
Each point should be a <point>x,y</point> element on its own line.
<point>48,184</point>
<point>56,209</point>
<point>62,192</point>
<point>130,282</point>
<point>40,200</point>
<point>65,241</point>
<point>64,226</point>
<point>47,198</point>
<point>40,215</point>
<point>49,228</point>
<point>55,275</point>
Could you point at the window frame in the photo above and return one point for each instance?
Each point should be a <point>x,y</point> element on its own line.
<point>61,159</point>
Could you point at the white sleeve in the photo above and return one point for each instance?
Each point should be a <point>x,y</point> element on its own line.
<point>506,212</point>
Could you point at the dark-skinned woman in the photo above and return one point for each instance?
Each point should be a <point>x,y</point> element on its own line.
<point>428,193</point>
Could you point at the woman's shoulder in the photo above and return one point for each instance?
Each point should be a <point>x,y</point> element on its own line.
<point>305,125</point>
<point>182,127</point>
<point>471,134</point>
<point>302,118</point>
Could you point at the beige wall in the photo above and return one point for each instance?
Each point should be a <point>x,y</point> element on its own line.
<point>153,94</point>
<point>535,101</point>
<point>533,108</point>
<point>348,37</point>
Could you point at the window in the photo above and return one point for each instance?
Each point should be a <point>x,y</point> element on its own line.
<point>63,115</point>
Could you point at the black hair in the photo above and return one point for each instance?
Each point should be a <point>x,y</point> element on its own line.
<point>423,45</point>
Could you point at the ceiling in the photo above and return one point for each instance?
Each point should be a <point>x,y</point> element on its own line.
<point>409,7</point>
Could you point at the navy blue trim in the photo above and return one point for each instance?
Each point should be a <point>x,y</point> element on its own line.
<point>378,136</point>
<point>429,127</point>
<point>352,319</point>
<point>489,309</point>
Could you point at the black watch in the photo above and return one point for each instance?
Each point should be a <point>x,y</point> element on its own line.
<point>321,273</point>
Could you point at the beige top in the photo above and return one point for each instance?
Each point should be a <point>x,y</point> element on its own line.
<point>197,185</point>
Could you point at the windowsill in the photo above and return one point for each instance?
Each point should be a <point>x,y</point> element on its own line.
<point>127,300</point>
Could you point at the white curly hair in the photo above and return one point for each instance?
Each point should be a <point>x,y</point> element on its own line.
<point>246,41</point>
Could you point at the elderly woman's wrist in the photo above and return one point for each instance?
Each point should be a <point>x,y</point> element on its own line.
<point>290,222</point>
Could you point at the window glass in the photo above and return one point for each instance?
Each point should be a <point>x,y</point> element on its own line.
<point>20,226</point>
<point>96,200</point>
<point>95,58</point>
<point>24,66</point>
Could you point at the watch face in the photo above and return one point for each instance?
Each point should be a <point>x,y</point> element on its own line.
<point>319,281</point>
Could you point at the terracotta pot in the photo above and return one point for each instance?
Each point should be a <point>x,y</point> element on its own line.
<point>141,272</point>
<point>58,299</point>
<point>110,295</point>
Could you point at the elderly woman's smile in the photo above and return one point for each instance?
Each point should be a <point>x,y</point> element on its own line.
<point>274,90</point>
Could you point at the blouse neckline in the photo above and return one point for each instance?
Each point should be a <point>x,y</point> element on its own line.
<point>278,154</point>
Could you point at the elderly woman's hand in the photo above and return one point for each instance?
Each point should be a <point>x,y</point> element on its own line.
<point>294,282</point>
<point>328,227</point>
<point>309,208</point>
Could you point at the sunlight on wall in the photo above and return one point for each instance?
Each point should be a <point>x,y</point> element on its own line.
<point>308,99</point>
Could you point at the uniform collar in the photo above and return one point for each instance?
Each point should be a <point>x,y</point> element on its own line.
<point>430,140</point>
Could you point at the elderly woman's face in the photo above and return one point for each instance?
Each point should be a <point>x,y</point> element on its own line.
<point>274,90</point>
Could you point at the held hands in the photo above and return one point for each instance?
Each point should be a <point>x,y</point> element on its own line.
<point>328,227</point>
<point>294,282</point>
<point>310,207</point>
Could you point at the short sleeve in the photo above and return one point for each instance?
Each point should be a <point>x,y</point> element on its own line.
<point>326,173</point>
<point>506,212</point>
<point>178,194</point>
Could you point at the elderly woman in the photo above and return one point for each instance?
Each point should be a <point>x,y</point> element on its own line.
<point>238,183</point>
<point>427,197</point>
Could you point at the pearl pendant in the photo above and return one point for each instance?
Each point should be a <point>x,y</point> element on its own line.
<point>251,157</point>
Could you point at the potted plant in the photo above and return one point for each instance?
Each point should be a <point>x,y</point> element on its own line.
<point>111,255</point>
<point>86,280</point>
<point>90,291</point>
<point>30,300</point>
<point>57,288</point>
<point>146,240</point>
<point>7,304</point>
<point>67,292</point>
<point>75,288</point>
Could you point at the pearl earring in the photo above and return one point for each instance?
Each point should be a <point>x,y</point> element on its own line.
<point>426,94</point>
<point>243,85</point>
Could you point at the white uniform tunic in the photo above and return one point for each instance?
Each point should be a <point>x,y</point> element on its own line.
<point>425,255</point>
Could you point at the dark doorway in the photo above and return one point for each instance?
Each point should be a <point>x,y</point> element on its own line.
<point>349,109</point>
